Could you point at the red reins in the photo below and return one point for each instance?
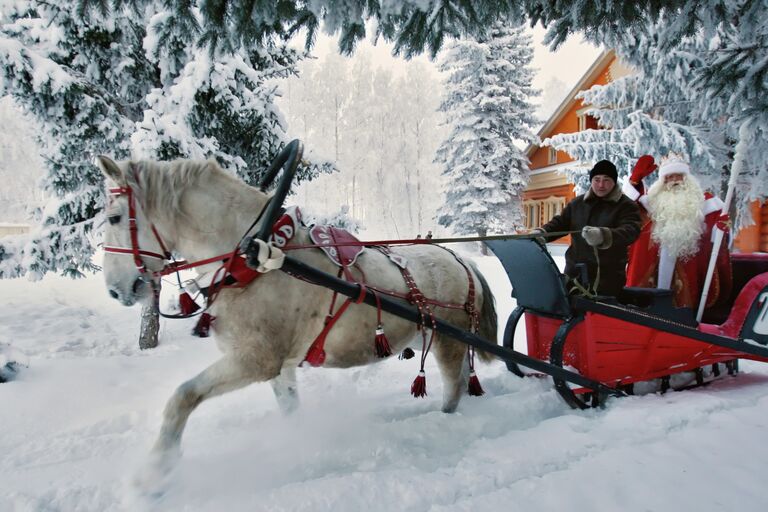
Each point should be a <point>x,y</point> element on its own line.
<point>171,267</point>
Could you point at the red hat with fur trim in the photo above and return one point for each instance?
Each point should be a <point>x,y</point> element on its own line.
<point>673,167</point>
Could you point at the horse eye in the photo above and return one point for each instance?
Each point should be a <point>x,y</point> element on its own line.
<point>113,219</point>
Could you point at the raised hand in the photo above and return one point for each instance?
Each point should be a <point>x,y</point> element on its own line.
<point>644,167</point>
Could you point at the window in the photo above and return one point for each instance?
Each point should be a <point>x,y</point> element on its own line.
<point>540,211</point>
<point>552,155</point>
<point>587,122</point>
<point>532,211</point>
<point>550,207</point>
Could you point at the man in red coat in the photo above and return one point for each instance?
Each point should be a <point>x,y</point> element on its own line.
<point>675,243</point>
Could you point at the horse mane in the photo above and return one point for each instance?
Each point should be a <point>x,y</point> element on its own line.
<point>163,183</point>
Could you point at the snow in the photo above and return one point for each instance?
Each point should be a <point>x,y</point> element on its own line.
<point>78,422</point>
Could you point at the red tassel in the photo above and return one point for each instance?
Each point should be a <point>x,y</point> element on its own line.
<point>186,304</point>
<point>474,388</point>
<point>316,354</point>
<point>382,343</point>
<point>419,386</point>
<point>203,327</point>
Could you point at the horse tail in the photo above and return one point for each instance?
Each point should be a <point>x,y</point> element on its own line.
<point>488,319</point>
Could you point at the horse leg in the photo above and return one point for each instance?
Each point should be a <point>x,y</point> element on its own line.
<point>284,387</point>
<point>454,369</point>
<point>226,374</point>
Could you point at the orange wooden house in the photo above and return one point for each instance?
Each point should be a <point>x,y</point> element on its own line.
<point>549,190</point>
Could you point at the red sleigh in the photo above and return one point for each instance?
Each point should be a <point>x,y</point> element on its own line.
<point>638,336</point>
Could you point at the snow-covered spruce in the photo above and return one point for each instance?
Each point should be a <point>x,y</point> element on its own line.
<point>130,82</point>
<point>488,106</point>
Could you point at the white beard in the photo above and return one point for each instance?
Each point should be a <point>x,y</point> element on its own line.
<point>678,220</point>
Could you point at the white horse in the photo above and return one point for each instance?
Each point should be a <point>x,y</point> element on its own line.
<point>265,329</point>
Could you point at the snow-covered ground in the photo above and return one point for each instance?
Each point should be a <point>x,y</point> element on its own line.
<point>76,425</point>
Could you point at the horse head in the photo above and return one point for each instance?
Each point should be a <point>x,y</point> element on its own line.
<point>132,250</point>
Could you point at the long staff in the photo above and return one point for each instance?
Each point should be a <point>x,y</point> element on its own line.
<point>718,239</point>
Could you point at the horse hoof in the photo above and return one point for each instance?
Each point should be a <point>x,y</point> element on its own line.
<point>154,477</point>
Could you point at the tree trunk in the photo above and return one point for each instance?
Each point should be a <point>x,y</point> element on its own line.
<point>150,325</point>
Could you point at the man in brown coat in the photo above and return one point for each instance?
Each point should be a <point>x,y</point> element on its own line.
<point>609,222</point>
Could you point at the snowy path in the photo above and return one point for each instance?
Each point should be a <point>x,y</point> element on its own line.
<point>76,427</point>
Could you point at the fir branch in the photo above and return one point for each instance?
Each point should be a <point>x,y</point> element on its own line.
<point>131,111</point>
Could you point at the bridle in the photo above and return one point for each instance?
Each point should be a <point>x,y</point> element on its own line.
<point>170,265</point>
<point>133,228</point>
<point>135,250</point>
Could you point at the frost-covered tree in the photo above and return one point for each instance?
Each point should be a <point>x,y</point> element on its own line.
<point>488,106</point>
<point>81,82</point>
<point>704,97</point>
<point>358,135</point>
<point>734,69</point>
<point>340,219</point>
<point>132,82</point>
<point>734,78</point>
<point>415,26</point>
<point>383,145</point>
<point>315,108</point>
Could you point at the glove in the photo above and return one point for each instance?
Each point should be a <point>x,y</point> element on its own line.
<point>723,222</point>
<point>644,167</point>
<point>540,239</point>
<point>592,235</point>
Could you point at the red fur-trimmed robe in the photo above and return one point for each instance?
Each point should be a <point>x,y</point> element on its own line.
<point>689,275</point>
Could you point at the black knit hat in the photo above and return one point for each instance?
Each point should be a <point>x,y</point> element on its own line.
<point>605,168</point>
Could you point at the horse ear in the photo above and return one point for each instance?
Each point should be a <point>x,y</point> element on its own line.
<point>110,169</point>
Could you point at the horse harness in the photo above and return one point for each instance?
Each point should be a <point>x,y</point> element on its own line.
<point>342,248</point>
<point>333,239</point>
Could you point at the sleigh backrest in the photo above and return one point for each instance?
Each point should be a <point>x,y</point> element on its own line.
<point>537,283</point>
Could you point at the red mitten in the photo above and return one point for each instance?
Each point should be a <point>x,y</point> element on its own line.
<point>723,222</point>
<point>644,167</point>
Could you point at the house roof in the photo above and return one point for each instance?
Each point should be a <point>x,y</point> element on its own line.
<point>597,67</point>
